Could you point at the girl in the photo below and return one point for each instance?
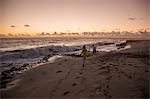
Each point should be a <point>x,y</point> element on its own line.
<point>83,53</point>
<point>94,49</point>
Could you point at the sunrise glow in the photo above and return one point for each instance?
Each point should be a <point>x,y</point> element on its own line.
<point>36,16</point>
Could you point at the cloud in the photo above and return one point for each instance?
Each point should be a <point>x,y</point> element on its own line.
<point>10,34</point>
<point>26,25</point>
<point>131,18</point>
<point>13,26</point>
<point>1,35</point>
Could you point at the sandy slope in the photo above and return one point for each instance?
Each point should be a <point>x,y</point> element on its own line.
<point>121,74</point>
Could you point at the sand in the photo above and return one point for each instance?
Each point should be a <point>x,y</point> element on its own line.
<point>121,74</point>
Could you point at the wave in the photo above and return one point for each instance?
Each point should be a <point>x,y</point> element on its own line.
<point>33,55</point>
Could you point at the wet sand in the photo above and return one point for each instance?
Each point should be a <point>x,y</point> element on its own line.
<point>121,74</point>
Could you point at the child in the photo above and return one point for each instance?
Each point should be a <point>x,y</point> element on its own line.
<point>94,49</point>
<point>83,53</point>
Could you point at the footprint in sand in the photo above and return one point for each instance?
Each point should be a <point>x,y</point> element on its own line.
<point>43,73</point>
<point>108,78</point>
<point>81,69</point>
<point>77,77</point>
<point>130,64</point>
<point>102,68</point>
<point>109,96</point>
<point>111,64</point>
<point>135,66</point>
<point>66,93</point>
<point>105,92</point>
<point>117,70</point>
<point>11,84</point>
<point>74,84</point>
<point>107,87</point>
<point>107,66</point>
<point>126,75</point>
<point>129,77</point>
<point>118,76</point>
<point>122,72</point>
<point>30,79</point>
<point>58,71</point>
<point>103,72</point>
<point>146,70</point>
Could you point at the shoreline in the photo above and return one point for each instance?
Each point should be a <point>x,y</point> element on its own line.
<point>11,74</point>
<point>108,69</point>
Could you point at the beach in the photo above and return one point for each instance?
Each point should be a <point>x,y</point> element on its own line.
<point>115,74</point>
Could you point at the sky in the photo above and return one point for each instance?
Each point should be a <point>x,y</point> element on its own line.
<point>36,16</point>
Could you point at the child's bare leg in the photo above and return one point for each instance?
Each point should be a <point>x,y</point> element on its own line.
<point>84,61</point>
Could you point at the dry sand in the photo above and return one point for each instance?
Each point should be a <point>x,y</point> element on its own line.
<point>122,74</point>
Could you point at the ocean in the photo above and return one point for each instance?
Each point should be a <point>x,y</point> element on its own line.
<point>20,51</point>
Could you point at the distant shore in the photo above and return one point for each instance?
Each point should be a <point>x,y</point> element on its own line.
<point>116,74</point>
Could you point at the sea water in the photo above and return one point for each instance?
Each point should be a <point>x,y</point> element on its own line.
<point>19,51</point>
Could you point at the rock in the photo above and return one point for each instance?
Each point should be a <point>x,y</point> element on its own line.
<point>6,77</point>
<point>3,83</point>
<point>25,65</point>
<point>4,73</point>
<point>13,69</point>
<point>46,58</point>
